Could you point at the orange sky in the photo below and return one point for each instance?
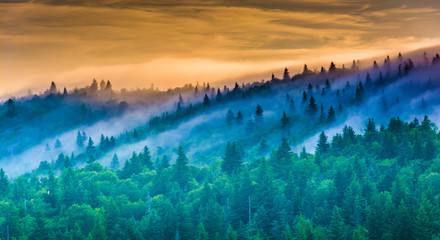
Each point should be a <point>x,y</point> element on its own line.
<point>169,42</point>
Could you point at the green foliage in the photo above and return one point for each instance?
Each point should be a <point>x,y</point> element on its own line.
<point>352,188</point>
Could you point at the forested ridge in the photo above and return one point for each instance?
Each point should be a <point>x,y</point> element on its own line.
<point>200,162</point>
<point>383,183</point>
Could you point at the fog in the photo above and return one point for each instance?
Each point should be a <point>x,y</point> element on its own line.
<point>204,134</point>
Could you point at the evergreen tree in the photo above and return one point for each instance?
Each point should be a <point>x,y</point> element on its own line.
<point>102,85</point>
<point>219,96</point>
<point>286,75</point>
<point>181,168</point>
<point>292,106</point>
<point>323,146</point>
<point>259,114</point>
<point>331,115</point>
<point>94,86</point>
<point>426,219</point>
<point>115,162</point>
<point>11,108</point>
<point>202,234</point>
<point>368,80</point>
<point>53,88</point>
<point>146,159</point>
<point>322,115</point>
<point>402,227</point>
<point>306,69</point>
<point>79,140</point>
<point>312,108</point>
<point>206,101</point>
<point>90,149</point>
<point>108,86</point>
<point>327,84</point>
<point>58,144</point>
<point>230,117</point>
<point>232,159</point>
<point>304,99</point>
<point>281,160</point>
<point>358,96</point>
<point>4,182</point>
<point>371,132</point>
<point>164,163</point>
<point>284,120</point>
<point>91,159</point>
<point>332,67</point>
<point>239,117</point>
<point>337,227</point>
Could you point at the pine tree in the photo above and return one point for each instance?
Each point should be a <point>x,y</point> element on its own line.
<point>115,162</point>
<point>102,85</point>
<point>305,229</point>
<point>79,140</point>
<point>135,134</point>
<point>11,108</point>
<point>322,115</point>
<point>67,163</point>
<point>312,108</point>
<point>202,234</point>
<point>426,220</point>
<point>181,168</point>
<point>358,96</point>
<point>102,143</point>
<point>337,227</point>
<point>281,160</point>
<point>331,115</point>
<point>292,106</point>
<point>90,149</point>
<point>53,88</point>
<point>360,233</point>
<point>327,84</point>
<point>430,151</point>
<point>402,227</point>
<point>164,163</point>
<point>284,120</point>
<point>371,132</point>
<point>94,86</point>
<point>332,67</point>
<point>259,114</point>
<point>232,159</point>
<point>306,69</point>
<point>206,101</point>
<point>108,86</point>
<point>239,118</point>
<point>231,234</point>
<point>368,80</point>
<point>4,182</point>
<point>58,144</point>
<point>146,159</point>
<point>91,159</point>
<point>286,75</point>
<point>304,99</point>
<point>219,96</point>
<point>230,117</point>
<point>323,146</point>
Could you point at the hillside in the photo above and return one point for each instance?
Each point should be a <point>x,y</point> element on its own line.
<point>343,153</point>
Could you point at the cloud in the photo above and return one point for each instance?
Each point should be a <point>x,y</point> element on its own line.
<point>45,40</point>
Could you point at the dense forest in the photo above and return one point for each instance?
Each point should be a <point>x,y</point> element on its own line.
<point>338,153</point>
<point>382,184</point>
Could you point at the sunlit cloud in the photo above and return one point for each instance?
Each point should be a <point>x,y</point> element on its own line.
<point>170,43</point>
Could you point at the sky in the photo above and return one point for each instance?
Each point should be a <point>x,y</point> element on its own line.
<point>168,43</point>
